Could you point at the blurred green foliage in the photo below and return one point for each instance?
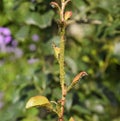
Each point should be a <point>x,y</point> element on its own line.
<point>92,45</point>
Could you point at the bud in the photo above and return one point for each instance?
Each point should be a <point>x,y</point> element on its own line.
<point>76,79</point>
<point>68,14</point>
<point>54,5</point>
<point>79,76</point>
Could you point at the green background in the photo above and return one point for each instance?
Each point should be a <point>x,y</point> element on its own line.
<point>92,45</point>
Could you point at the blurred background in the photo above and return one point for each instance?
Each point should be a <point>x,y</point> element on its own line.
<point>28,66</point>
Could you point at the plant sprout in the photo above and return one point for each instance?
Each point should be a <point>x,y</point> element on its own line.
<point>59,54</point>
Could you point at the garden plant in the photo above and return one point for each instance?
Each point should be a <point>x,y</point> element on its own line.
<point>47,47</point>
<point>59,54</point>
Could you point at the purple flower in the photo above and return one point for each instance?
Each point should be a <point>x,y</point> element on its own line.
<point>32,47</point>
<point>1,39</point>
<point>10,49</point>
<point>5,35</point>
<point>5,31</point>
<point>14,43</point>
<point>8,39</point>
<point>35,37</point>
<point>18,52</point>
<point>32,60</point>
<point>1,30</point>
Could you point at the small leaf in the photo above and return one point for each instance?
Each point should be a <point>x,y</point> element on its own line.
<point>79,76</point>
<point>71,119</point>
<point>68,14</point>
<point>38,101</point>
<point>56,50</point>
<point>76,79</point>
<point>56,108</point>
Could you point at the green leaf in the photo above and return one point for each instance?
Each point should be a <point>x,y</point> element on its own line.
<point>22,34</point>
<point>80,109</point>
<point>41,21</point>
<point>77,3</point>
<point>38,101</point>
<point>71,64</point>
<point>69,100</point>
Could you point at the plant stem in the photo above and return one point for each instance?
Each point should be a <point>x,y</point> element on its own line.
<point>62,70</point>
<point>62,46</point>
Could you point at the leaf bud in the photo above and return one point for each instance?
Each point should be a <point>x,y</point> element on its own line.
<point>54,5</point>
<point>68,14</point>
